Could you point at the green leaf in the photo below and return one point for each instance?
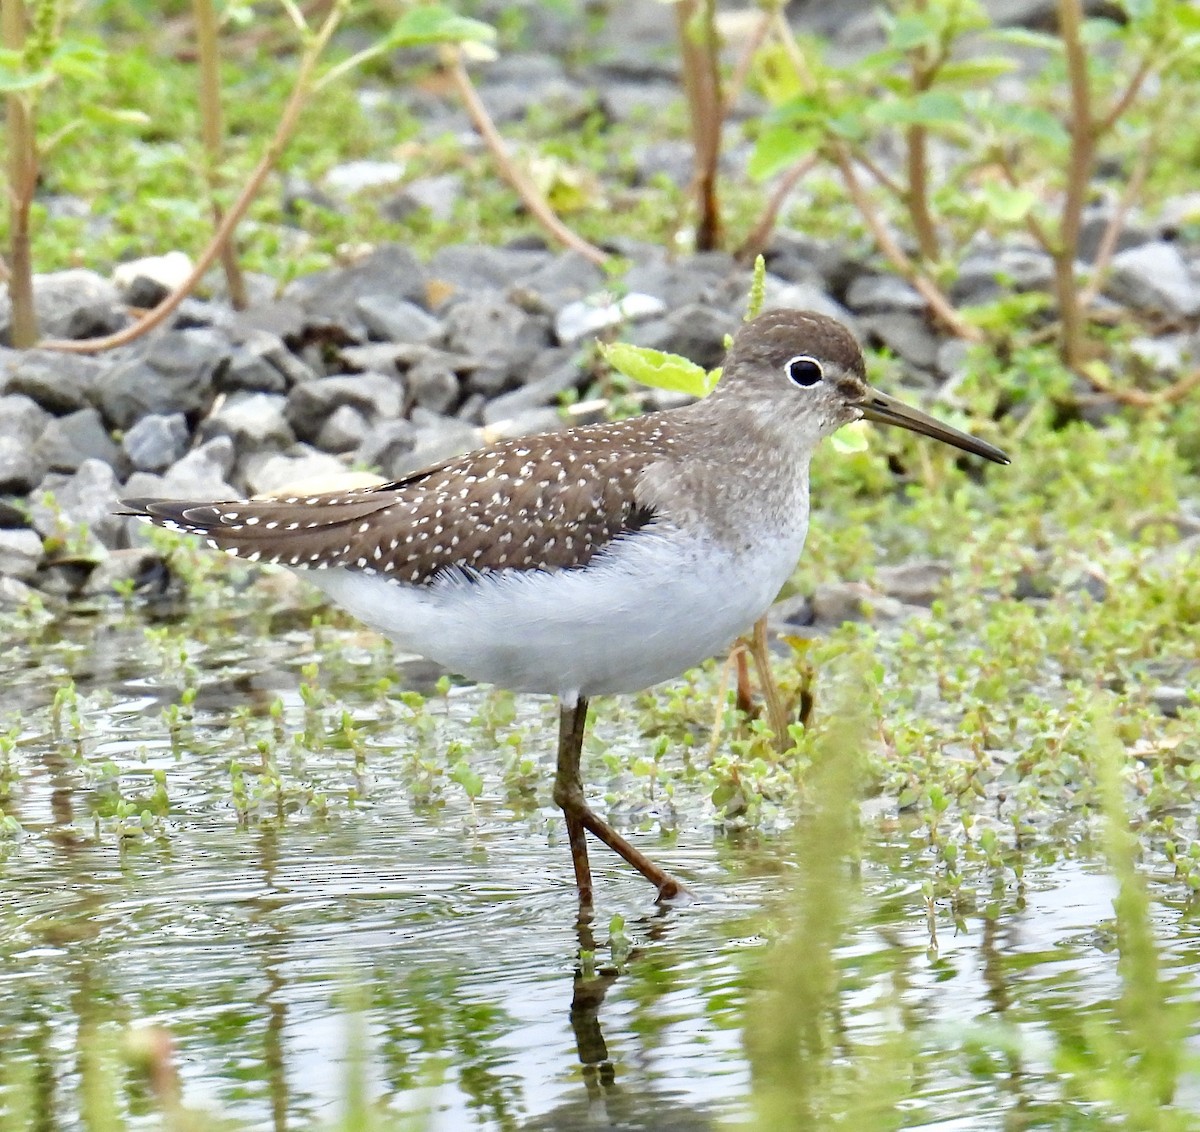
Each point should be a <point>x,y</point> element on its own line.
<point>1005,203</point>
<point>660,370</point>
<point>13,81</point>
<point>780,147</point>
<point>930,108</point>
<point>974,72</point>
<point>467,778</point>
<point>431,23</point>
<point>850,438</point>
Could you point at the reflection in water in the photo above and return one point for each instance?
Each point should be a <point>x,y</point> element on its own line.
<point>448,925</point>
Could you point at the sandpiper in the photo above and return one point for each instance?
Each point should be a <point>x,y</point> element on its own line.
<point>600,559</point>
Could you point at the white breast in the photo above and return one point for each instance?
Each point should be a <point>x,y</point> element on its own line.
<point>654,604</point>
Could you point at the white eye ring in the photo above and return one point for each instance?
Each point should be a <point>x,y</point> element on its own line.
<point>804,370</point>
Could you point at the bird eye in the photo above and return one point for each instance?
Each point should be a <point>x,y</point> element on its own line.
<point>804,370</point>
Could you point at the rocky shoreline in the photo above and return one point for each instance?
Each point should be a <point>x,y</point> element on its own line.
<point>391,363</point>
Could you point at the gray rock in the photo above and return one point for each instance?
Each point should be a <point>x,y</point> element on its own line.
<point>907,335</point>
<point>806,297</point>
<point>389,319</point>
<point>69,304</point>
<point>330,298</point>
<point>1166,355</point>
<point>534,394</point>
<point>835,602</point>
<point>914,583</point>
<point>354,177</point>
<point>1171,699</point>
<point>440,195</point>
<point>67,441</point>
<point>476,268</point>
<point>883,294</point>
<point>567,278</point>
<point>139,565</point>
<point>156,442</point>
<point>695,331</point>
<point>344,430</point>
<point>84,502</point>
<point>145,282</point>
<point>374,395</point>
<point>251,420</point>
<point>438,438</point>
<point>433,385</point>
<point>799,258</point>
<point>669,159</point>
<point>564,102</point>
<point>386,445</point>
<point>1095,223</point>
<point>176,374</point>
<point>261,364</point>
<point>61,383</point>
<point>15,593</point>
<point>272,473</point>
<point>709,277</point>
<point>495,331</point>
<point>201,474</point>
<point>20,553</point>
<point>990,274</point>
<point>1154,277</point>
<point>22,422</point>
<point>588,317</point>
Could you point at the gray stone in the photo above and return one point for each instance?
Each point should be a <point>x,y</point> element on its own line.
<point>908,336</point>
<point>586,318</point>
<point>806,297</point>
<point>69,304</point>
<point>88,499</point>
<point>1171,699</point>
<point>344,430</point>
<point>67,441</point>
<point>59,382</point>
<point>177,374</point>
<point>433,385</point>
<point>438,438</point>
<point>145,282</point>
<point>385,446</point>
<point>990,274</point>
<point>22,422</point>
<point>201,474</point>
<point>475,268</point>
<point>1095,222</point>
<point>876,294</point>
<point>14,592</point>
<point>567,278</point>
<point>250,420</point>
<point>140,566</point>
<point>330,298</point>
<point>156,441</point>
<point>273,473</point>
<point>914,583</point>
<point>835,602</point>
<point>669,159</point>
<point>389,319</point>
<point>439,194</point>
<point>493,330</point>
<point>20,553</point>
<point>1166,355</point>
<point>708,278</point>
<point>695,331</point>
<point>374,395</point>
<point>799,258</point>
<point>565,103</point>
<point>259,364</point>
<point>1154,277</point>
<point>354,177</point>
<point>534,394</point>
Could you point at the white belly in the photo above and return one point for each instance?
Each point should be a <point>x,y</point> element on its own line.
<point>652,606</point>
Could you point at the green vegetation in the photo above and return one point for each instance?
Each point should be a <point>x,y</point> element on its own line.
<point>200,760</point>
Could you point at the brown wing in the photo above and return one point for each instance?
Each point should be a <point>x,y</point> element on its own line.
<point>546,502</point>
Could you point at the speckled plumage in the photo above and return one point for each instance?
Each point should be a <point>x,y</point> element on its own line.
<point>598,559</point>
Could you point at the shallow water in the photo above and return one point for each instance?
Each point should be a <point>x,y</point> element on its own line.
<point>270,930</point>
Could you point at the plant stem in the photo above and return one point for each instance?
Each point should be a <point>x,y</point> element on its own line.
<point>696,23</point>
<point>758,236</point>
<point>288,121</point>
<point>1082,126</point>
<point>22,181</point>
<point>533,200</point>
<point>212,134</point>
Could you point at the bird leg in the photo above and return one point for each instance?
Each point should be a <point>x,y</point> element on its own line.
<point>568,794</point>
